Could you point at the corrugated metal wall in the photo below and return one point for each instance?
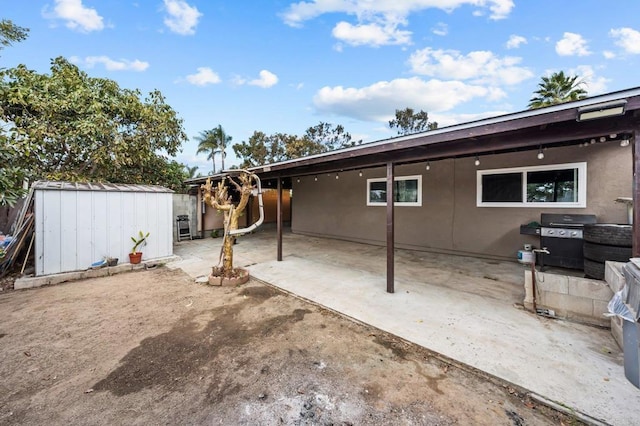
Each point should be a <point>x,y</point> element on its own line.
<point>76,228</point>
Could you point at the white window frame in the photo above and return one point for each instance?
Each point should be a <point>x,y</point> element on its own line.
<point>582,186</point>
<point>417,203</point>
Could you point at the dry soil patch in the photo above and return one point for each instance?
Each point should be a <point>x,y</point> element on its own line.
<point>153,347</point>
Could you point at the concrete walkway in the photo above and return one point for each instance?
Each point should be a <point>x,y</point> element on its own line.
<point>464,308</point>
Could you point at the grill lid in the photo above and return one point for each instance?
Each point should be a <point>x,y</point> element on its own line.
<point>555,220</point>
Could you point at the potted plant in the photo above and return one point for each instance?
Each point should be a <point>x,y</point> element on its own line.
<point>136,256</point>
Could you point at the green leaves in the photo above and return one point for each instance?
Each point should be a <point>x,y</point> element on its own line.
<point>140,239</point>
<point>67,125</point>
<point>262,149</point>
<point>556,89</point>
<point>213,142</point>
<point>408,122</point>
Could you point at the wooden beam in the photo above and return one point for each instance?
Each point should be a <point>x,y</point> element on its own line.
<point>279,219</point>
<point>636,192</point>
<point>390,229</point>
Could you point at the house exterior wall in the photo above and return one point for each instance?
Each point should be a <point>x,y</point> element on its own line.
<point>74,229</point>
<point>449,220</point>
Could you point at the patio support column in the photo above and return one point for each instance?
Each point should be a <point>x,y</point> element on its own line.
<point>279,219</point>
<point>636,192</point>
<point>390,229</point>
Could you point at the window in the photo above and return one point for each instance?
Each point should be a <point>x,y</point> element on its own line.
<point>558,185</point>
<point>407,191</point>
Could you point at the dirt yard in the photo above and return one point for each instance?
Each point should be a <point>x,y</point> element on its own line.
<point>153,347</point>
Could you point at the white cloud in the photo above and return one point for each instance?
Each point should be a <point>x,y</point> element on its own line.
<point>77,16</point>
<point>378,20</point>
<point>595,85</point>
<point>378,101</point>
<point>267,79</point>
<point>440,29</point>
<point>515,41</point>
<point>182,18</point>
<point>370,34</point>
<point>478,66</point>
<point>627,38</point>
<point>203,77</point>
<point>302,11</point>
<point>112,64</point>
<point>572,44</point>
<point>608,54</point>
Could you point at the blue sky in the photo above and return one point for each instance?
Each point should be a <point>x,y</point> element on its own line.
<point>283,66</point>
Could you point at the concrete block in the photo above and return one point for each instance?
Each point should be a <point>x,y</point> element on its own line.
<point>572,305</point>
<point>599,309</point>
<point>591,289</point>
<point>30,282</point>
<point>552,283</point>
<point>124,267</point>
<point>96,273</point>
<point>616,330</point>
<point>613,275</point>
<point>65,277</point>
<point>528,290</point>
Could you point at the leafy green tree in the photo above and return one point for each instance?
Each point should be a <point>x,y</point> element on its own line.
<point>261,149</point>
<point>408,122</point>
<point>557,88</point>
<point>11,33</point>
<point>11,175</point>
<point>67,125</point>
<point>265,149</point>
<point>325,137</point>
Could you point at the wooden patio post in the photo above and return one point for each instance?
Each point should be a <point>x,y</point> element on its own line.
<point>279,219</point>
<point>390,228</point>
<point>635,149</point>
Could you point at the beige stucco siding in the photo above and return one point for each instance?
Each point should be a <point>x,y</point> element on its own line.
<point>449,220</point>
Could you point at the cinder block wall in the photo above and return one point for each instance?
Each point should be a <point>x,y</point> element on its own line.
<point>185,204</point>
<point>573,298</point>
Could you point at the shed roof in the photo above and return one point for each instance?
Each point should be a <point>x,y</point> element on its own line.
<point>89,186</point>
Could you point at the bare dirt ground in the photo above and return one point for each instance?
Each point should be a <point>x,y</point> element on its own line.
<point>153,347</point>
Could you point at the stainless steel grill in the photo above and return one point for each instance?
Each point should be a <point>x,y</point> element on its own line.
<point>561,234</point>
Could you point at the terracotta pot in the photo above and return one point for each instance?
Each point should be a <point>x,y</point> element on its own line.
<point>135,258</point>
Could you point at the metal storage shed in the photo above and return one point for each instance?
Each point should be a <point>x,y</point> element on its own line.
<point>77,224</point>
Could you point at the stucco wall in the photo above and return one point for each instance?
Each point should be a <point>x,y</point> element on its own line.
<point>449,220</point>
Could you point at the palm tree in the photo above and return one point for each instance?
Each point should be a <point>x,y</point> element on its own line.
<point>213,142</point>
<point>223,140</point>
<point>208,144</point>
<point>191,171</point>
<point>556,89</point>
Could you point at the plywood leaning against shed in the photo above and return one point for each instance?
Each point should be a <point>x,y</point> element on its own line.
<point>77,224</point>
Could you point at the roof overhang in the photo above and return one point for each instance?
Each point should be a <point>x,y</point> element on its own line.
<point>565,124</point>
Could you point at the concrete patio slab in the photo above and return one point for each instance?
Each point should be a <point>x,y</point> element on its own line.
<point>466,309</point>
